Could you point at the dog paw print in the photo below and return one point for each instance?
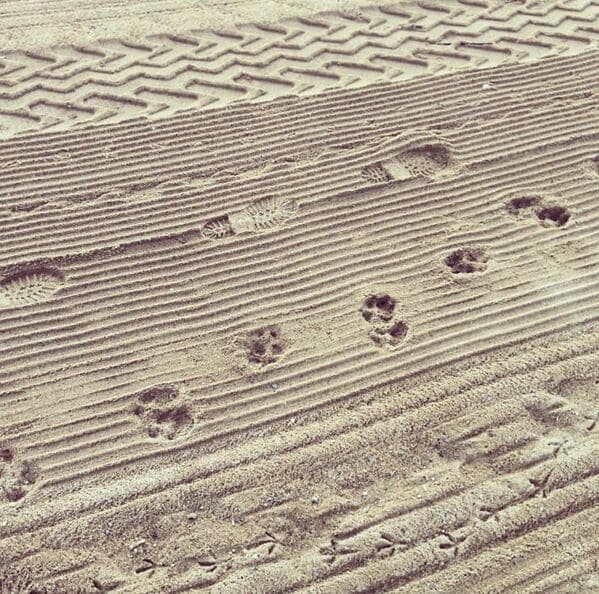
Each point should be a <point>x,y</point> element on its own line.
<point>547,214</point>
<point>265,344</point>
<point>16,476</point>
<point>389,335</point>
<point>163,413</point>
<point>467,260</point>
<point>523,205</point>
<point>553,216</point>
<point>379,310</point>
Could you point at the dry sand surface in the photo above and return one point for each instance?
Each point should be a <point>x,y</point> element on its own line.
<point>299,297</point>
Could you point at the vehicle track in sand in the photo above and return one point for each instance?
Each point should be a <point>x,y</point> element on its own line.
<point>116,80</point>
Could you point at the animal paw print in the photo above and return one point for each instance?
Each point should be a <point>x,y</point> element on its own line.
<point>162,413</point>
<point>378,310</point>
<point>16,476</point>
<point>265,344</point>
<point>389,335</point>
<point>553,216</point>
<point>548,214</point>
<point>467,260</point>
<point>523,205</point>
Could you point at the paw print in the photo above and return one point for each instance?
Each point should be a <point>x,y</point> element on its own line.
<point>264,345</point>
<point>467,260</point>
<point>378,310</point>
<point>523,205</point>
<point>549,214</point>
<point>162,413</point>
<point>553,216</point>
<point>16,476</point>
<point>389,335</point>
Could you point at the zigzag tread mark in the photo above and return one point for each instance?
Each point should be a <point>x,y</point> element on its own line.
<point>297,56</point>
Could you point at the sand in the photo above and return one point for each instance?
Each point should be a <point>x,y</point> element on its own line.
<point>299,297</point>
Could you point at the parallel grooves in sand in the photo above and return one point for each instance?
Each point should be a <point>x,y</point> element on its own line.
<point>444,391</point>
<point>231,306</point>
<point>186,209</point>
<point>441,322</point>
<point>375,204</point>
<point>86,217</point>
<point>129,313</point>
<point>358,216</point>
<point>347,105</point>
<point>545,512</point>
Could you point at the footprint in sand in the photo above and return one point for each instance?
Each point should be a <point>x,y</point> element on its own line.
<point>264,345</point>
<point>16,475</point>
<point>378,310</point>
<point>547,212</point>
<point>29,286</point>
<point>467,260</point>
<point>263,215</point>
<point>426,160</point>
<point>162,413</point>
